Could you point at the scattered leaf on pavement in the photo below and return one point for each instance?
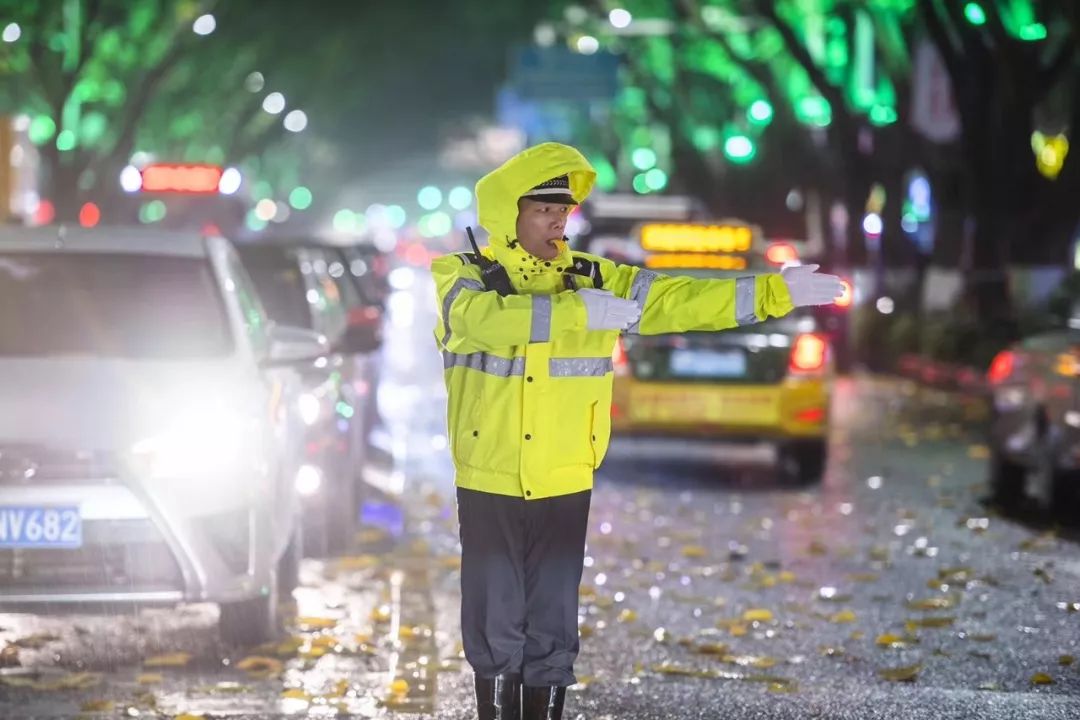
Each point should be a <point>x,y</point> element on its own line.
<point>259,667</point>
<point>901,674</point>
<point>177,659</point>
<point>1041,679</point>
<point>757,615</point>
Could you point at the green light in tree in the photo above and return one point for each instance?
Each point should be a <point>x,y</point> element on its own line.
<point>606,177</point>
<point>152,212</point>
<point>1033,32</point>
<point>42,128</point>
<point>254,222</point>
<point>706,138</point>
<point>300,198</point>
<point>882,115</point>
<point>643,158</point>
<point>656,179</point>
<point>975,14</point>
<point>345,220</point>
<point>439,224</point>
<point>92,127</point>
<point>262,190</point>
<point>395,216</point>
<point>459,197</point>
<point>65,141</point>
<point>814,110</point>
<point>429,197</point>
<point>739,149</point>
<point>760,112</point>
<point>641,185</point>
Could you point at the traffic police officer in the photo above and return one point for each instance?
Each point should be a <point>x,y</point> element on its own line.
<point>526,329</point>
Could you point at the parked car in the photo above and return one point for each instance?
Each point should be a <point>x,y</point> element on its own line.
<point>149,441</point>
<point>1035,431</point>
<point>311,285</point>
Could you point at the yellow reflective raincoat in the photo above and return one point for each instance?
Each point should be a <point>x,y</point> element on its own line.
<point>529,388</point>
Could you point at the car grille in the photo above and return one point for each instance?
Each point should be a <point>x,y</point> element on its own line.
<point>36,464</point>
<point>116,555</point>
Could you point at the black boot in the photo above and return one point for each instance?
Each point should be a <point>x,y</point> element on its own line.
<point>499,698</point>
<point>542,703</point>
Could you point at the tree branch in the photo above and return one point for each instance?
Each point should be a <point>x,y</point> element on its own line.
<point>1059,63</point>
<point>942,41</point>
<point>798,51</point>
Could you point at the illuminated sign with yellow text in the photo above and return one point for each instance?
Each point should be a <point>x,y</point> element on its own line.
<point>689,238</point>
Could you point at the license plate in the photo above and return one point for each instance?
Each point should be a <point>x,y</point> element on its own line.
<point>707,363</point>
<point>29,526</point>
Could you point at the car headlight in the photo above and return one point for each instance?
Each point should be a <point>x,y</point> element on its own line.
<point>310,408</point>
<point>200,442</point>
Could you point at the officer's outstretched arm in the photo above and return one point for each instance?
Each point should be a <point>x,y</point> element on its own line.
<point>671,304</point>
<point>472,319</point>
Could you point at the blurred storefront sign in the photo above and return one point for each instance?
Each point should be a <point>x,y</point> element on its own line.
<point>933,106</point>
<point>483,149</point>
<point>557,73</point>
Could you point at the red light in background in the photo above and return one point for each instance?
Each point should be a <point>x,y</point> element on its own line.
<point>780,253</point>
<point>45,213</point>
<point>168,178</point>
<point>808,354</point>
<point>89,215</point>
<point>810,415</point>
<point>211,230</point>
<point>1001,367</point>
<point>618,358</point>
<point>845,299</point>
<point>417,254</point>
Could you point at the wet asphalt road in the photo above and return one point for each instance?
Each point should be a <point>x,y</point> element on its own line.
<point>889,591</point>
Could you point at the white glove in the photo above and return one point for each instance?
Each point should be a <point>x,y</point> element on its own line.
<point>808,287</point>
<point>607,312</point>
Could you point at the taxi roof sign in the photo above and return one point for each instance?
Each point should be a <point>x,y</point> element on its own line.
<point>726,237</point>
<point>188,178</point>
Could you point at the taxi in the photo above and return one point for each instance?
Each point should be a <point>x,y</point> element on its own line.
<point>753,394</point>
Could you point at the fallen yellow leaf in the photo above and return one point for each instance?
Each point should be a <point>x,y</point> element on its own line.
<point>149,679</point>
<point>942,602</point>
<point>177,659</point>
<point>260,667</point>
<point>296,694</point>
<point>844,616</point>
<point>929,622</point>
<point>627,616</point>
<point>98,706</point>
<point>1066,660</point>
<point>1041,679</point>
<point>308,624</point>
<point>890,640</point>
<point>399,687</point>
<point>757,615</point>
<point>978,452</point>
<point>901,674</point>
<point>36,641</point>
<point>693,551</point>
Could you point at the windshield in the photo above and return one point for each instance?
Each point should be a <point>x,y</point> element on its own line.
<point>110,305</point>
<point>276,274</point>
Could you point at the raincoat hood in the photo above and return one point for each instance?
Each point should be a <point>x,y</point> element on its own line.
<point>497,195</point>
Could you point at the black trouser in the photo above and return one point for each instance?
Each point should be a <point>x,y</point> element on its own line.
<point>520,570</point>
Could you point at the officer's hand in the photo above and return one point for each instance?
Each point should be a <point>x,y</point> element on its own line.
<point>808,287</point>
<point>607,312</point>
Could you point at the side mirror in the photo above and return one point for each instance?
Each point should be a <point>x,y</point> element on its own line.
<point>293,344</point>
<point>363,333</point>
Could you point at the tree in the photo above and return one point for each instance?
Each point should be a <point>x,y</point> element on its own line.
<point>839,73</point>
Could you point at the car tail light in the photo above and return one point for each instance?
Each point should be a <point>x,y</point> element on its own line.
<point>1001,367</point>
<point>810,415</point>
<point>367,315</point>
<point>780,253</point>
<point>619,360</point>
<point>844,301</point>
<point>808,353</point>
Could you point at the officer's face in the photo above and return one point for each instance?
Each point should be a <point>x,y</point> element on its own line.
<point>539,225</point>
